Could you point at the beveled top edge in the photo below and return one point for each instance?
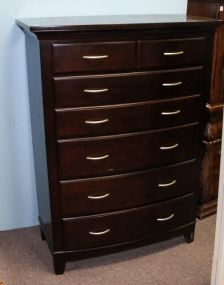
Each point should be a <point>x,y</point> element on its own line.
<point>108,22</point>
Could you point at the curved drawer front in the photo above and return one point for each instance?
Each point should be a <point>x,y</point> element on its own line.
<point>172,52</point>
<point>89,57</point>
<point>124,153</point>
<point>127,118</point>
<point>127,226</point>
<point>119,192</point>
<point>78,91</point>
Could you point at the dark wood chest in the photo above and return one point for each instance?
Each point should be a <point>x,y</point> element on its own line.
<point>118,114</point>
<point>207,200</point>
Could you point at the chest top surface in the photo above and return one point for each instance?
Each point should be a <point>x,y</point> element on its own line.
<point>112,22</point>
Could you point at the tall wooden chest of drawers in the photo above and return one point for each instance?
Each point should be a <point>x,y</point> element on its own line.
<point>117,110</point>
<point>207,198</point>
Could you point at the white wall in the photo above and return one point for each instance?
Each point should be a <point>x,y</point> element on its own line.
<point>18,206</point>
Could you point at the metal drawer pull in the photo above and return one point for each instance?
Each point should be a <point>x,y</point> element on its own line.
<point>168,184</point>
<point>97,122</point>
<point>96,90</point>
<point>99,233</point>
<point>99,197</point>
<point>174,53</point>
<point>171,113</point>
<point>169,147</point>
<point>95,56</point>
<point>165,219</point>
<point>172,84</point>
<point>97,157</point>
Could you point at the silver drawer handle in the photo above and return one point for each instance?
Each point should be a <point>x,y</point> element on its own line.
<point>172,84</point>
<point>167,184</point>
<point>165,219</point>
<point>169,147</point>
<point>97,122</point>
<point>97,157</point>
<point>174,53</point>
<point>99,197</point>
<point>95,56</point>
<point>171,113</point>
<point>96,90</point>
<point>99,233</point>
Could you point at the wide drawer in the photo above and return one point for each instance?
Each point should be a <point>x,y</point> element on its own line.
<point>119,192</point>
<point>78,91</point>
<point>124,153</point>
<point>127,226</point>
<point>127,118</point>
<point>89,57</point>
<point>172,52</point>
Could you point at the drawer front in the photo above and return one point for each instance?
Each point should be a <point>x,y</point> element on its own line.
<point>81,91</point>
<point>126,226</point>
<point>119,192</point>
<point>164,53</point>
<point>127,118</point>
<point>124,153</point>
<point>94,56</point>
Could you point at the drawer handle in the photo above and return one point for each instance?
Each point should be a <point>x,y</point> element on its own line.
<point>172,84</point>
<point>95,56</point>
<point>167,184</point>
<point>97,122</point>
<point>166,218</point>
<point>99,197</point>
<point>99,233</point>
<point>171,113</point>
<point>97,157</point>
<point>96,90</point>
<point>169,147</point>
<point>174,53</point>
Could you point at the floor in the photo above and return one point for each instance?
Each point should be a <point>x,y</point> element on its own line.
<point>25,260</point>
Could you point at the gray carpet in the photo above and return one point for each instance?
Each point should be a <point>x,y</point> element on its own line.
<point>25,259</point>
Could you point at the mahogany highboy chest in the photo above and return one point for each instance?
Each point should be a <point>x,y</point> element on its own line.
<point>117,108</point>
<point>207,198</point>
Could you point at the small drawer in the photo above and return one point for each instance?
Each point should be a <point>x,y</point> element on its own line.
<point>127,226</point>
<point>87,57</point>
<point>119,192</point>
<point>95,90</point>
<point>172,53</point>
<point>127,118</point>
<point>124,153</point>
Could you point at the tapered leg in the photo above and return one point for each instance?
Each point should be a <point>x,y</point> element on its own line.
<point>189,237</point>
<point>59,264</point>
<point>42,235</point>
